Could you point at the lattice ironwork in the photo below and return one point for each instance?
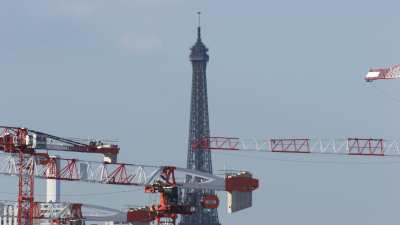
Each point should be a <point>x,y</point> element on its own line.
<point>198,129</point>
<point>340,146</point>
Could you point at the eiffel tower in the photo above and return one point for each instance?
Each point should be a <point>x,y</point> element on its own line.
<point>199,128</point>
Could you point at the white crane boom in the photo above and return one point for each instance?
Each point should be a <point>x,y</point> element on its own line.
<point>342,146</point>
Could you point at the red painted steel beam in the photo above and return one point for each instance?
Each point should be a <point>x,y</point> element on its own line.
<point>11,137</point>
<point>69,172</point>
<point>217,143</point>
<point>119,176</point>
<point>365,146</point>
<point>290,145</point>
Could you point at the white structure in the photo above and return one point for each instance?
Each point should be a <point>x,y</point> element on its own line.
<point>53,187</point>
<point>93,213</point>
<point>8,213</point>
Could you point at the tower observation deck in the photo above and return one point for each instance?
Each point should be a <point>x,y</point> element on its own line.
<point>199,128</point>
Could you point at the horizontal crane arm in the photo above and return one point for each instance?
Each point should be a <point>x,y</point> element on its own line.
<point>12,138</point>
<point>383,73</point>
<point>346,146</point>
<point>46,167</point>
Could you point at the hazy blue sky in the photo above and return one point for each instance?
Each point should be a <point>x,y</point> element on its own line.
<point>120,69</point>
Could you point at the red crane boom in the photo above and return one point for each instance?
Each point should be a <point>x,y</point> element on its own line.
<point>392,72</point>
<point>39,141</point>
<point>344,146</point>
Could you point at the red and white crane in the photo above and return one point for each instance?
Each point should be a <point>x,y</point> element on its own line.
<point>392,72</point>
<point>25,143</point>
<point>26,155</point>
<point>62,212</point>
<point>344,146</point>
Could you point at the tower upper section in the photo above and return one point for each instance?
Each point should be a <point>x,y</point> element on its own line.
<point>199,50</point>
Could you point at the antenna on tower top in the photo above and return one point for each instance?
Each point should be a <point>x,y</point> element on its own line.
<point>198,27</point>
<point>199,17</point>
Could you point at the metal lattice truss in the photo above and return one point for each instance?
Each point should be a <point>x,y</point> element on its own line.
<point>105,173</point>
<point>345,146</point>
<point>35,141</point>
<point>383,73</point>
<point>65,210</point>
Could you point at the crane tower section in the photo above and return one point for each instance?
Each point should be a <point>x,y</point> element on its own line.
<point>198,129</point>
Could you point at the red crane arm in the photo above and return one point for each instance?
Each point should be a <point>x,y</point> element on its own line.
<point>346,146</point>
<point>46,167</point>
<point>164,180</point>
<point>383,73</point>
<point>11,139</point>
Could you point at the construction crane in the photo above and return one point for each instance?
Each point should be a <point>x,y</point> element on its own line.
<point>26,142</point>
<point>40,141</point>
<point>155,179</point>
<point>392,72</point>
<point>345,146</point>
<point>24,156</point>
<point>62,212</point>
